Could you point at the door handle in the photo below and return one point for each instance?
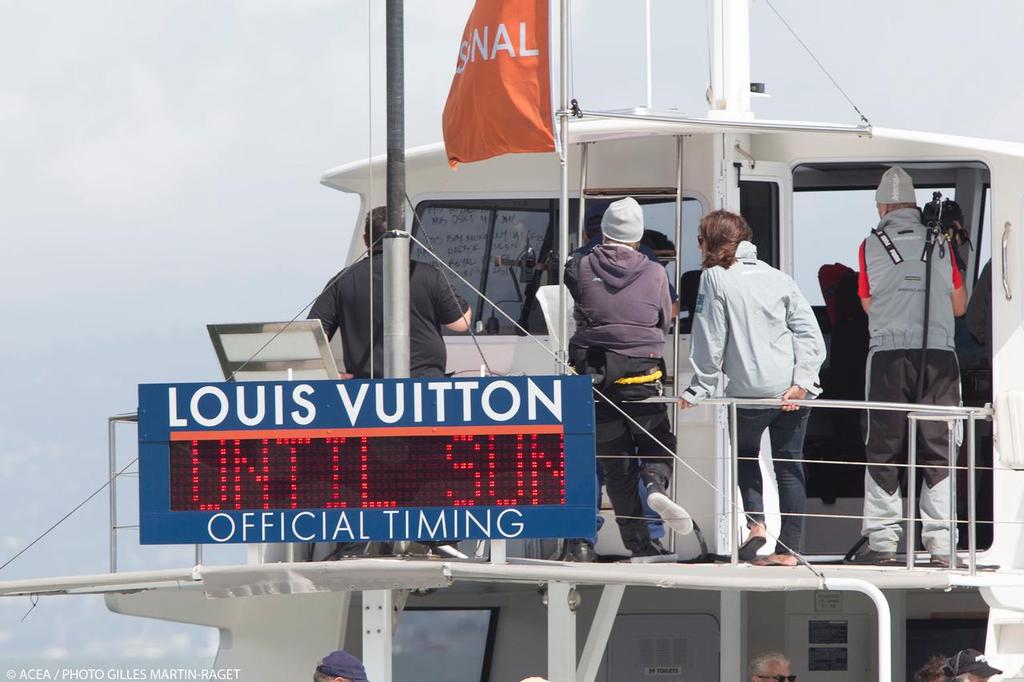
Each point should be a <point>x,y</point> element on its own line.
<point>1006,261</point>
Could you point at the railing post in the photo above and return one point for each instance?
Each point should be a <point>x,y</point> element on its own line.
<point>112,488</point>
<point>951,443</point>
<point>734,481</point>
<point>911,490</point>
<point>972,540</point>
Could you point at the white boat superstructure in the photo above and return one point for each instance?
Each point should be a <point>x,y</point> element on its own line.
<point>805,189</point>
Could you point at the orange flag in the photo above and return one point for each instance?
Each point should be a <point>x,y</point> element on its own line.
<point>500,99</point>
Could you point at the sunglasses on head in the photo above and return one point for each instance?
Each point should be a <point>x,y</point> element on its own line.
<point>778,678</point>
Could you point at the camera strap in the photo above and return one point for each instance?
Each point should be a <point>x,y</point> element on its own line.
<point>929,246</point>
<point>887,244</point>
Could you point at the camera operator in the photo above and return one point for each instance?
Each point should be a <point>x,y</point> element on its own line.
<point>912,359</point>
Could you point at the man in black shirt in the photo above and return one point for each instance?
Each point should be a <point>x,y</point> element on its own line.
<point>346,301</point>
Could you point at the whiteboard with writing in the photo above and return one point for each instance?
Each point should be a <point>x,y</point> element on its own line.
<point>459,238</point>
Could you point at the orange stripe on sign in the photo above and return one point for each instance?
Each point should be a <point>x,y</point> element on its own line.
<point>368,433</point>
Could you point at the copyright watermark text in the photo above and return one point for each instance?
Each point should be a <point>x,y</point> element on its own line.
<point>124,674</point>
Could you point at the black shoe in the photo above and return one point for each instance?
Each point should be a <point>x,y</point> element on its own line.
<point>653,553</point>
<point>942,561</point>
<point>578,551</point>
<point>870,557</point>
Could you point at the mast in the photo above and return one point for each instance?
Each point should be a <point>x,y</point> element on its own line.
<point>396,241</point>
<point>563,208</point>
<point>730,60</point>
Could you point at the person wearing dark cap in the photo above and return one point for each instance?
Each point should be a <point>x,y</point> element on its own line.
<point>970,665</point>
<point>340,665</point>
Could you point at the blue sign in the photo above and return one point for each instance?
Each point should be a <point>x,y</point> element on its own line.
<point>367,460</point>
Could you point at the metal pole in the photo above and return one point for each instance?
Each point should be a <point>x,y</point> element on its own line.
<point>679,267</point>
<point>561,632</point>
<point>972,540</point>
<point>734,481</point>
<point>378,633</point>
<point>584,163</point>
<point>563,208</point>
<point>884,620</point>
<point>648,70</point>
<point>396,243</point>
<point>911,489</point>
<point>951,436</point>
<point>112,492</point>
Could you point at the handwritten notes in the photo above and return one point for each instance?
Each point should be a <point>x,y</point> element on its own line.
<point>459,237</point>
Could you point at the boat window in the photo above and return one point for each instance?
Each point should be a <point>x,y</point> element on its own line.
<point>504,248</point>
<point>983,243</point>
<point>828,227</point>
<point>444,644</point>
<point>759,205</point>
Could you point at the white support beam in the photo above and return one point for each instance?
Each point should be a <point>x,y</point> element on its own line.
<point>377,634</point>
<point>561,632</point>
<point>600,630</point>
<point>733,633</point>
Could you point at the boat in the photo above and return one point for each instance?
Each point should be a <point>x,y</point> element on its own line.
<point>512,609</point>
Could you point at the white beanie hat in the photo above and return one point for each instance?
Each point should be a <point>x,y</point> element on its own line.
<point>896,187</point>
<point>623,221</point>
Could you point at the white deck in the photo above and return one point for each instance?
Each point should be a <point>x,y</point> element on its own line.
<point>387,573</point>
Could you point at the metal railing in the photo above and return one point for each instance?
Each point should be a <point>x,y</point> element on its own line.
<point>951,415</point>
<point>113,474</point>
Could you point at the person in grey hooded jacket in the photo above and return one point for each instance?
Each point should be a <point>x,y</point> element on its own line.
<point>623,311</point>
<point>753,325</point>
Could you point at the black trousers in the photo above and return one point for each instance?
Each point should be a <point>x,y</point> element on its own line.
<point>627,455</point>
<point>892,377</point>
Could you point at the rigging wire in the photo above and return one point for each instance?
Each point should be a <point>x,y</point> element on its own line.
<point>66,517</point>
<point>571,370</point>
<point>818,62</point>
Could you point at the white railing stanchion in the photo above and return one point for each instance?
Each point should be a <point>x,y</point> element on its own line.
<point>951,443</point>
<point>972,539</point>
<point>734,481</point>
<point>911,534</point>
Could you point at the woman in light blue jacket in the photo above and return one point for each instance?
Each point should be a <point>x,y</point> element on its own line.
<point>753,325</point>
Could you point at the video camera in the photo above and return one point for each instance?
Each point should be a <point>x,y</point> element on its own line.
<point>947,218</point>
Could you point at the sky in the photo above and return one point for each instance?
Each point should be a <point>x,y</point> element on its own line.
<point>159,167</point>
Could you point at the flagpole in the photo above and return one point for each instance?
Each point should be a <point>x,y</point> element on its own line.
<point>563,209</point>
<point>648,61</point>
<point>396,240</point>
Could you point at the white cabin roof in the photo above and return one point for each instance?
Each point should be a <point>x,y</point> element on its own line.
<point>354,176</point>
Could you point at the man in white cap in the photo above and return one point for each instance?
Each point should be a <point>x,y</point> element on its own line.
<point>623,311</point>
<point>892,288</point>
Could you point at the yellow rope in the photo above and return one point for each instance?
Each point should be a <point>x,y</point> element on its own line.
<point>642,379</point>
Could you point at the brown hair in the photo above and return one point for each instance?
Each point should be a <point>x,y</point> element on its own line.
<point>376,224</point>
<point>721,232</point>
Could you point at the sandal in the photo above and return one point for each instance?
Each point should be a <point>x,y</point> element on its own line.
<point>776,560</point>
<point>748,550</point>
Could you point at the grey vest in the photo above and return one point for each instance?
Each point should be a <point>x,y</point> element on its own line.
<point>896,316</point>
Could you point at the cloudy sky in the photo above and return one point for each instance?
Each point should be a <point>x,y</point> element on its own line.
<point>159,166</point>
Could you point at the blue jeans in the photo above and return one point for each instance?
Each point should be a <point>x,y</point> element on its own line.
<point>786,431</point>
